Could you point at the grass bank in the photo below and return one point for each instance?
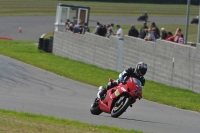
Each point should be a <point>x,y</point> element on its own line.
<point>11,121</point>
<point>48,7</point>
<point>25,51</point>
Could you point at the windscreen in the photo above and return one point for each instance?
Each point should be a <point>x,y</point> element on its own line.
<point>137,82</point>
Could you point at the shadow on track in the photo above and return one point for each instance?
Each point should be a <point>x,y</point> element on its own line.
<point>132,119</point>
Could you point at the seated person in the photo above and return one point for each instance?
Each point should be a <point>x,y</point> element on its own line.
<point>176,35</point>
<point>181,39</point>
<point>149,35</point>
<point>170,36</point>
<point>76,28</point>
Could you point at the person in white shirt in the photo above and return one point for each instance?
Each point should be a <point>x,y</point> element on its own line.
<point>119,33</point>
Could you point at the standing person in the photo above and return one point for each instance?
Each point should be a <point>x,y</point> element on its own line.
<point>133,31</point>
<point>138,72</point>
<point>153,25</point>
<point>142,30</point>
<point>163,33</point>
<point>109,31</point>
<point>112,28</point>
<point>97,28</point>
<point>101,30</point>
<point>119,33</point>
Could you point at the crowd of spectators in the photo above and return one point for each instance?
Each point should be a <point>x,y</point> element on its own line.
<point>80,28</point>
<point>150,33</point>
<point>107,30</point>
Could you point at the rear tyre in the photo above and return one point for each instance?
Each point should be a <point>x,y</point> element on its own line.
<point>117,111</point>
<point>95,110</point>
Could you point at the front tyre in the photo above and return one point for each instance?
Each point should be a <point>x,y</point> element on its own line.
<point>95,110</point>
<point>118,110</point>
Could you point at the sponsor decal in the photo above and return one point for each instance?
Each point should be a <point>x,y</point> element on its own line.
<point>117,93</point>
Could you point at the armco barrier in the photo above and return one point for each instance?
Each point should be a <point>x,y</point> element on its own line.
<point>169,63</point>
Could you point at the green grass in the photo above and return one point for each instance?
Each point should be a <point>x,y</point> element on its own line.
<point>25,51</point>
<point>48,7</point>
<point>11,121</point>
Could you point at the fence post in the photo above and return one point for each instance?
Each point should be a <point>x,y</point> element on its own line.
<point>120,55</point>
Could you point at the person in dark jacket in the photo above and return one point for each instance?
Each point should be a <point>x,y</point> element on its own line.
<point>142,30</point>
<point>102,30</point>
<point>138,72</point>
<point>133,31</point>
<point>163,33</point>
<point>157,32</point>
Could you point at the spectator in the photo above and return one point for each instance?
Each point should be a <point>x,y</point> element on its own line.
<point>181,39</point>
<point>66,26</point>
<point>81,26</point>
<point>142,30</point>
<point>97,28</point>
<point>153,34</point>
<point>133,32</point>
<point>153,31</point>
<point>71,27</point>
<point>109,31</point>
<point>150,35</point>
<point>76,28</point>
<point>176,35</point>
<point>119,33</point>
<point>112,28</point>
<point>157,32</point>
<point>102,31</point>
<point>164,34</point>
<point>170,37</point>
<point>147,35</point>
<point>85,28</point>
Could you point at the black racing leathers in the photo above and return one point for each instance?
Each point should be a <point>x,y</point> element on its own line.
<point>130,72</point>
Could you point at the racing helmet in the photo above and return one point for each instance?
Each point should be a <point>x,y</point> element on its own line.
<point>141,68</point>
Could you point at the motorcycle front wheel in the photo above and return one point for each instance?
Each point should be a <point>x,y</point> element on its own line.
<point>119,109</point>
<point>95,110</point>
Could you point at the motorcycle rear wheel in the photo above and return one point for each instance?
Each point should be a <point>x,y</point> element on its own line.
<point>122,108</point>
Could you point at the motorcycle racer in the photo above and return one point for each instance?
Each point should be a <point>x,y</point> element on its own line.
<point>138,72</point>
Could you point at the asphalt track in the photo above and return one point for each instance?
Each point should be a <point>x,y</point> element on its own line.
<point>34,26</point>
<point>29,89</point>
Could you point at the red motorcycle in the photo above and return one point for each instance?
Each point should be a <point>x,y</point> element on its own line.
<point>118,99</point>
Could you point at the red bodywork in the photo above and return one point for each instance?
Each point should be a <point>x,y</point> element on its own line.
<point>130,88</point>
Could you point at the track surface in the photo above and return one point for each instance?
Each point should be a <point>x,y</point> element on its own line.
<point>29,89</point>
<point>34,26</point>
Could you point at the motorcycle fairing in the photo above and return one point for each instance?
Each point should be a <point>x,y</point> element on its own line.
<point>113,93</point>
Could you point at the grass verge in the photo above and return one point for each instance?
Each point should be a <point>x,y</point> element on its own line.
<point>11,121</point>
<point>48,7</point>
<point>25,51</point>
